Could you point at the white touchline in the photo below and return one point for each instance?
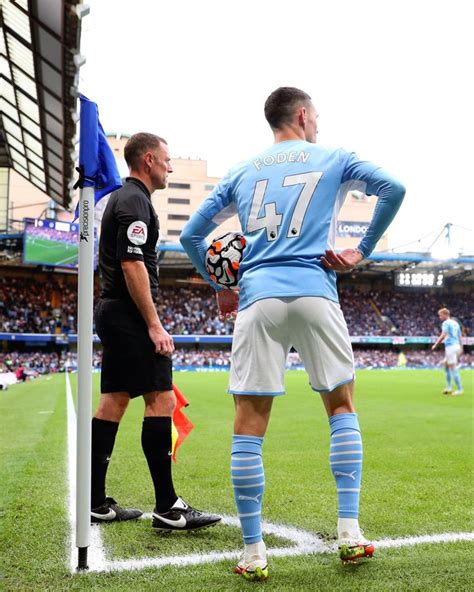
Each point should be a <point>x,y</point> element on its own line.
<point>96,554</point>
<point>304,542</point>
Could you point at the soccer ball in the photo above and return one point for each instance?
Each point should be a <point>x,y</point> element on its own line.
<point>223,259</point>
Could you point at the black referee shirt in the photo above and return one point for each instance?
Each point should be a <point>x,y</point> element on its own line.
<point>129,230</point>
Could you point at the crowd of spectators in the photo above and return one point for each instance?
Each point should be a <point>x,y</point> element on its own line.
<point>414,313</point>
<point>191,311</point>
<point>201,358</point>
<point>360,316</point>
<point>28,306</point>
<point>51,234</point>
<point>37,363</point>
<point>27,365</point>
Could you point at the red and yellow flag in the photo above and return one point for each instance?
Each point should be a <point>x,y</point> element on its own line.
<point>181,426</point>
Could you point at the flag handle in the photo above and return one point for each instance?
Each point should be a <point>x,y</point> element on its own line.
<point>84,376</point>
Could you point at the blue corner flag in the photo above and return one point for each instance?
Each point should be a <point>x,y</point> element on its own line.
<point>97,166</point>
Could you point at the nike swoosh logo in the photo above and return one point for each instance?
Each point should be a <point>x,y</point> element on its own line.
<point>180,523</point>
<point>111,514</point>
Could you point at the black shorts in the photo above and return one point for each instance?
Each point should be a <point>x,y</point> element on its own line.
<point>129,361</point>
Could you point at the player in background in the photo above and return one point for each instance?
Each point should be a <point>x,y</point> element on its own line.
<point>287,199</point>
<point>452,338</point>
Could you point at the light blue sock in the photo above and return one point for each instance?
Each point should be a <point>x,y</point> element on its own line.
<point>448,377</point>
<point>345,457</point>
<point>248,481</point>
<point>457,378</point>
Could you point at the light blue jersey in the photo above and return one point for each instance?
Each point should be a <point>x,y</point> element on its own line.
<point>453,331</point>
<point>288,199</point>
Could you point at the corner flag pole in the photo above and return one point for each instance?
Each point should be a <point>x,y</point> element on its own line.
<point>98,176</point>
<point>84,377</point>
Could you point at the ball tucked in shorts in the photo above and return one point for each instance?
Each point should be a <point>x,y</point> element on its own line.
<point>129,361</point>
<point>266,330</point>
<point>451,354</point>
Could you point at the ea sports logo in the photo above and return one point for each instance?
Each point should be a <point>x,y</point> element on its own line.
<point>137,232</point>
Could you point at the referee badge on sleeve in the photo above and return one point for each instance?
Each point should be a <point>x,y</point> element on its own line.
<point>137,232</point>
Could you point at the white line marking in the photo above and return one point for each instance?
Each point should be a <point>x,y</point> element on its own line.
<point>96,553</point>
<point>305,543</point>
<point>447,537</point>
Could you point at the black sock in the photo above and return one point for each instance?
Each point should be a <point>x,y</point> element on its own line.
<point>156,444</point>
<point>103,440</point>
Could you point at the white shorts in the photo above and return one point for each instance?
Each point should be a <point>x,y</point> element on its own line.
<point>451,354</point>
<point>264,333</point>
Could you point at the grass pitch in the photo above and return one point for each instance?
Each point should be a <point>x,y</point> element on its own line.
<point>417,480</point>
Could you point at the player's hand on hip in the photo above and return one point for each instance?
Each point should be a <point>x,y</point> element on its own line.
<point>162,339</point>
<point>227,303</point>
<point>344,261</point>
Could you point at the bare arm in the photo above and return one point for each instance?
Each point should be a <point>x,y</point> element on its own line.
<point>138,284</point>
<point>440,339</point>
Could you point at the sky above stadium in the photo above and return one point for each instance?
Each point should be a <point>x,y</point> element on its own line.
<point>390,80</point>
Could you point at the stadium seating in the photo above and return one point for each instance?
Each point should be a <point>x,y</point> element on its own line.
<point>29,306</point>
<point>36,363</point>
<point>32,307</point>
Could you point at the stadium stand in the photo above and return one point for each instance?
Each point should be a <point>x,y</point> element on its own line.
<point>43,307</point>
<point>37,363</point>
<point>27,306</point>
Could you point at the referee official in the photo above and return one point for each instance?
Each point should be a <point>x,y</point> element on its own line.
<point>136,348</point>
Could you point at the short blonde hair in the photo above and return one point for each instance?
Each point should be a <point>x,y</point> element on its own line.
<point>444,311</point>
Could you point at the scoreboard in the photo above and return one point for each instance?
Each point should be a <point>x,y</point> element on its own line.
<point>410,279</point>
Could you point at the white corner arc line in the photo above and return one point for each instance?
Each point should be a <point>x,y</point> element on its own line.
<point>447,537</point>
<point>305,543</point>
<point>96,554</point>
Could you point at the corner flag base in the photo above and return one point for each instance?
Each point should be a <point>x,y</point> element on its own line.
<point>82,561</point>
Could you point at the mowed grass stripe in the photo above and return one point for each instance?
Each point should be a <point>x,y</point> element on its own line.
<point>25,409</point>
<point>34,523</point>
<point>416,481</point>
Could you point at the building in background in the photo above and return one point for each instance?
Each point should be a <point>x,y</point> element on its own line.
<point>188,186</point>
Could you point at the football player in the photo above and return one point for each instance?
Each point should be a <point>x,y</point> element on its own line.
<point>287,199</point>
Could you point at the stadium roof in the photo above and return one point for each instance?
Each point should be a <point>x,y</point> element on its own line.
<point>459,269</point>
<point>39,64</point>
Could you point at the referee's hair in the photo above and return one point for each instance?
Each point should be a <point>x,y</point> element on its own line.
<point>281,104</point>
<point>138,144</point>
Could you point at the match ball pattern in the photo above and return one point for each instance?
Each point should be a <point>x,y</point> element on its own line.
<point>223,259</point>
